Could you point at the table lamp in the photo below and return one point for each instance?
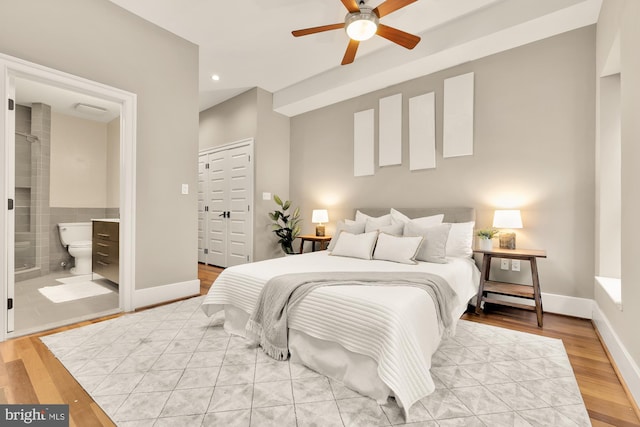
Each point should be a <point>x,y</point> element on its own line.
<point>507,219</point>
<point>318,217</point>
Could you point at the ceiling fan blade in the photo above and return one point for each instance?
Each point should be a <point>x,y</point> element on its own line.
<point>314,30</point>
<point>350,54</point>
<point>397,36</point>
<point>352,5</point>
<point>391,6</point>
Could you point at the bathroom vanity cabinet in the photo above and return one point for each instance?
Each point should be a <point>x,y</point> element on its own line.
<point>106,249</point>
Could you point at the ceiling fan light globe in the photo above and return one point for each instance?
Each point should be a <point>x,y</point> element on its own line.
<point>361,26</point>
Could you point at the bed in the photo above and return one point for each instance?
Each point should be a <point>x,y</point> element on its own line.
<point>376,340</point>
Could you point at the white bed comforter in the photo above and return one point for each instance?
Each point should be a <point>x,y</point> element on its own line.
<point>395,326</point>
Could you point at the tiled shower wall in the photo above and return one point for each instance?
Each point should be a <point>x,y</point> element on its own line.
<point>24,238</point>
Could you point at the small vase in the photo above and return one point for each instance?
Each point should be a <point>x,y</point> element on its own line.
<point>485,244</point>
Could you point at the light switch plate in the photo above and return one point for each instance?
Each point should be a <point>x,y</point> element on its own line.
<point>185,188</point>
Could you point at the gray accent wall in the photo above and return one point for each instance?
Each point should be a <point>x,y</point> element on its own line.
<point>100,41</point>
<point>251,115</point>
<point>533,149</point>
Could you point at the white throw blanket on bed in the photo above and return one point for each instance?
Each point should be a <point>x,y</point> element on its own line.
<point>396,327</point>
<point>268,323</point>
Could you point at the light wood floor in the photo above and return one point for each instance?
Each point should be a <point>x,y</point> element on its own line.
<point>30,374</point>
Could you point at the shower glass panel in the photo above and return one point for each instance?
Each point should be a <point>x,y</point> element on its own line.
<point>24,237</point>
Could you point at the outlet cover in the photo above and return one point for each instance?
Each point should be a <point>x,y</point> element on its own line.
<point>515,265</point>
<point>266,196</point>
<point>185,188</point>
<point>504,264</point>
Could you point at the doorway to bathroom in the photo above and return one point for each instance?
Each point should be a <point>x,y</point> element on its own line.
<point>67,174</point>
<point>67,145</point>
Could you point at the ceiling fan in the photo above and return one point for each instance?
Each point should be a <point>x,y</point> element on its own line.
<point>362,23</point>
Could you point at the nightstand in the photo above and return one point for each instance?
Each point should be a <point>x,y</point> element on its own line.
<point>511,289</point>
<point>323,240</point>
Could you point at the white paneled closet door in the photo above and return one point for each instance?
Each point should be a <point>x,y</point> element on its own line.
<point>227,205</point>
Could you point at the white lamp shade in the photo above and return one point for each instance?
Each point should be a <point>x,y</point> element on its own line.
<point>507,218</point>
<point>319,216</point>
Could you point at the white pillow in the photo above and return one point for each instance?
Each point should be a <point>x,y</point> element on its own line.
<point>425,221</point>
<point>372,224</point>
<point>397,249</point>
<point>460,242</point>
<point>428,221</point>
<point>352,227</point>
<point>355,245</point>
<point>381,220</point>
<point>434,246</point>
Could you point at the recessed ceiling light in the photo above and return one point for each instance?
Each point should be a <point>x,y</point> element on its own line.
<point>215,77</point>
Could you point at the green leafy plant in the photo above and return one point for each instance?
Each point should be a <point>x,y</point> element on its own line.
<point>487,233</point>
<point>285,225</point>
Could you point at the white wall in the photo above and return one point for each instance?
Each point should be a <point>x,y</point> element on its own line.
<point>619,18</point>
<point>78,162</point>
<point>113,163</point>
<point>100,41</point>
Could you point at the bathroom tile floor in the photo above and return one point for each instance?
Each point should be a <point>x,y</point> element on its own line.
<point>34,312</point>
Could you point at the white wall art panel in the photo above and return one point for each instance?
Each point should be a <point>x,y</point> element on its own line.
<point>422,132</point>
<point>457,132</point>
<point>363,143</point>
<point>390,130</point>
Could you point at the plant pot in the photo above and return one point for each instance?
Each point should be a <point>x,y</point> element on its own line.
<point>485,244</point>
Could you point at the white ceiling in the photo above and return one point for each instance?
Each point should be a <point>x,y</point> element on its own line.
<point>249,43</point>
<point>253,46</point>
<point>64,101</point>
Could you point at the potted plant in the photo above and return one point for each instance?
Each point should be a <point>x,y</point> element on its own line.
<point>285,225</point>
<point>485,235</point>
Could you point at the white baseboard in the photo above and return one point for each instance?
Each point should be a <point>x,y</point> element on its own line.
<point>625,363</point>
<point>569,306</point>
<point>159,294</point>
<point>559,304</point>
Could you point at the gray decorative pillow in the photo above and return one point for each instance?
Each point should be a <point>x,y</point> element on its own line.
<point>353,228</point>
<point>395,229</point>
<point>434,245</point>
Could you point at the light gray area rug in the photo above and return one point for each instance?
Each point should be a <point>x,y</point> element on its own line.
<point>169,366</point>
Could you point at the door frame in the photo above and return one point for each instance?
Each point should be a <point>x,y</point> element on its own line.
<point>11,67</point>
<point>229,146</point>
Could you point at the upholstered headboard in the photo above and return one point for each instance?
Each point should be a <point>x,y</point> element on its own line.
<point>453,214</point>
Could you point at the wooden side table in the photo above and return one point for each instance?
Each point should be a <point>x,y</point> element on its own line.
<point>323,240</point>
<point>511,289</point>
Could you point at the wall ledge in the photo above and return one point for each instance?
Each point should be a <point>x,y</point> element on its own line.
<point>613,288</point>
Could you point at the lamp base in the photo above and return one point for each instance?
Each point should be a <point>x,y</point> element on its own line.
<point>507,240</point>
<point>320,230</point>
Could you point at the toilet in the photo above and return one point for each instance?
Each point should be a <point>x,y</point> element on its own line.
<point>76,237</point>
